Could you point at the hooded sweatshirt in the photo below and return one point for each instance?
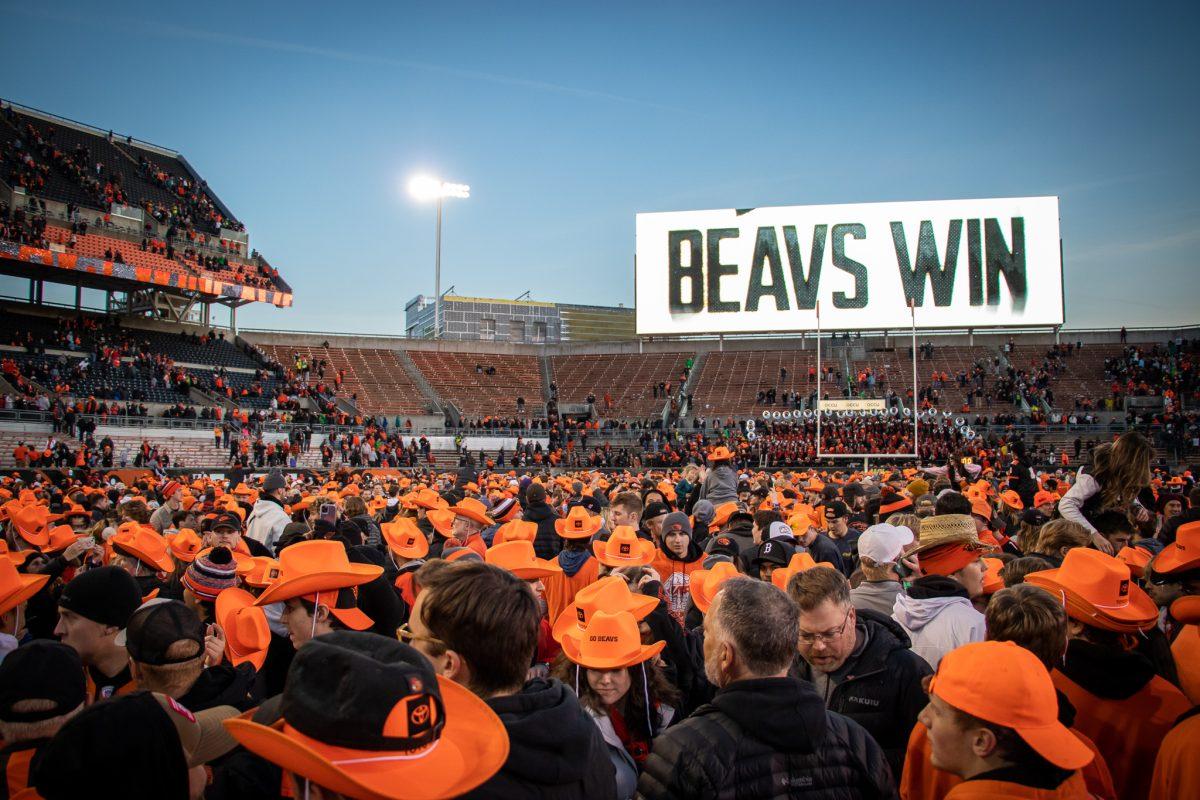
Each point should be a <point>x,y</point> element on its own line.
<point>720,485</point>
<point>555,749</point>
<point>1122,706</point>
<point>938,617</point>
<point>676,575</point>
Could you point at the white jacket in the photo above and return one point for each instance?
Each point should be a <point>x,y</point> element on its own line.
<point>266,523</point>
<point>937,625</point>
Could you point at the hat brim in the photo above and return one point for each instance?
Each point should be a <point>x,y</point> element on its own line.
<point>353,618</point>
<point>228,604</point>
<point>215,739</point>
<point>593,527</point>
<point>1058,745</point>
<point>644,556</point>
<point>473,747</point>
<point>285,588</point>
<point>482,519</point>
<point>568,619</point>
<point>1140,611</point>
<point>644,653</point>
<point>1171,560</point>
<point>28,587</point>
<point>541,568</point>
<point>163,563</point>
<point>396,547</point>
<point>38,540</point>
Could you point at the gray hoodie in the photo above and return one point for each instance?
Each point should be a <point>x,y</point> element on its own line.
<point>937,625</point>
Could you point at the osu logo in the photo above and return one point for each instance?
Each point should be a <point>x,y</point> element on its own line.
<point>1123,591</point>
<point>582,616</point>
<point>625,548</point>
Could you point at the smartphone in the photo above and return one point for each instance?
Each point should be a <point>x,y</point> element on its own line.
<point>329,512</point>
<point>89,541</point>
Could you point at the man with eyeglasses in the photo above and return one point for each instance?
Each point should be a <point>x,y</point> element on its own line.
<point>858,660</point>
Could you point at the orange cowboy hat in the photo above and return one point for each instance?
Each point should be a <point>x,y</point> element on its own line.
<point>610,593</point>
<point>516,531</point>
<point>519,559</point>
<point>722,513</point>
<point>442,520</point>
<point>184,545</point>
<point>721,453</point>
<point>60,538</point>
<point>611,640</point>
<point>145,544</point>
<point>315,566</point>
<point>16,588</point>
<point>1183,554</point>
<point>429,500</point>
<point>1043,498</point>
<point>1005,684</point>
<point>247,635</point>
<point>798,563</point>
<point>31,523</point>
<point>14,556</point>
<point>404,538</point>
<point>1136,558</point>
<point>624,549</point>
<point>705,583</point>
<point>1012,500</point>
<point>409,735</point>
<point>1098,590</point>
<point>578,524</point>
<point>262,573</point>
<point>473,510</point>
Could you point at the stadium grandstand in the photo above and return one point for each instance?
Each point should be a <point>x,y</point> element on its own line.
<point>150,381</point>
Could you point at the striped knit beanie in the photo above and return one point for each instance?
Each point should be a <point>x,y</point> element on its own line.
<point>210,573</point>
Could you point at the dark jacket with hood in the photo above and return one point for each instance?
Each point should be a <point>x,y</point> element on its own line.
<point>555,749</point>
<point>547,542</point>
<point>766,738</point>
<point>879,686</point>
<point>223,685</point>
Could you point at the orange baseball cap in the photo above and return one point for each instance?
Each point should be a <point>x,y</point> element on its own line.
<point>1003,683</point>
<point>624,549</point>
<point>1012,499</point>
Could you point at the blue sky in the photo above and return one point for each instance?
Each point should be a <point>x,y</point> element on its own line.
<point>568,119</point>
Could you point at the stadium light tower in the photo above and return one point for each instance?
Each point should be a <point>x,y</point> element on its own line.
<point>425,188</point>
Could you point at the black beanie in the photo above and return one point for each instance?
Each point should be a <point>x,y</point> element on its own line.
<point>108,595</point>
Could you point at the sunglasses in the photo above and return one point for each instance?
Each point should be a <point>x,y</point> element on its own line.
<point>407,635</point>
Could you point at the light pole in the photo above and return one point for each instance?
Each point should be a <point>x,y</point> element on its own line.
<point>424,188</point>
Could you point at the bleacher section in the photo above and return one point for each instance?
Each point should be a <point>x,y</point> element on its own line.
<point>731,380</point>
<point>476,394</point>
<point>185,451</point>
<point>375,376</point>
<point>1084,375</point>
<point>629,379</point>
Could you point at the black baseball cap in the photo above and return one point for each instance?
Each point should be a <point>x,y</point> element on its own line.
<point>772,552</point>
<point>41,670</point>
<point>724,546</point>
<point>156,627</point>
<point>107,595</point>
<point>655,510</point>
<point>227,520</point>
<point>836,509</point>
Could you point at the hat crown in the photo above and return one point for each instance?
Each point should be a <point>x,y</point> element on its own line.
<point>1099,579</point>
<point>610,593</point>
<point>512,555</point>
<point>317,555</point>
<point>609,635</point>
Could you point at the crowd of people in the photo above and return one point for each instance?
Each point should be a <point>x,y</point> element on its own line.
<point>965,630</point>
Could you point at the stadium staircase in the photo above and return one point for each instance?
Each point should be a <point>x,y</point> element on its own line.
<point>434,402</point>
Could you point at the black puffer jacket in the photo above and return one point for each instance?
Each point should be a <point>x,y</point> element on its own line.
<point>766,738</point>
<point>881,688</point>
<point>547,542</point>
<point>555,749</point>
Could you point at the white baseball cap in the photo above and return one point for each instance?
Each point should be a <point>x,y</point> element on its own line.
<point>780,530</point>
<point>884,543</point>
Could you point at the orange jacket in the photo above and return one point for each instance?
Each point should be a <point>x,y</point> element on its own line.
<point>1070,789</point>
<point>923,781</point>
<point>1186,649</point>
<point>14,764</point>
<point>1127,731</point>
<point>561,588</point>
<point>1177,770</point>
